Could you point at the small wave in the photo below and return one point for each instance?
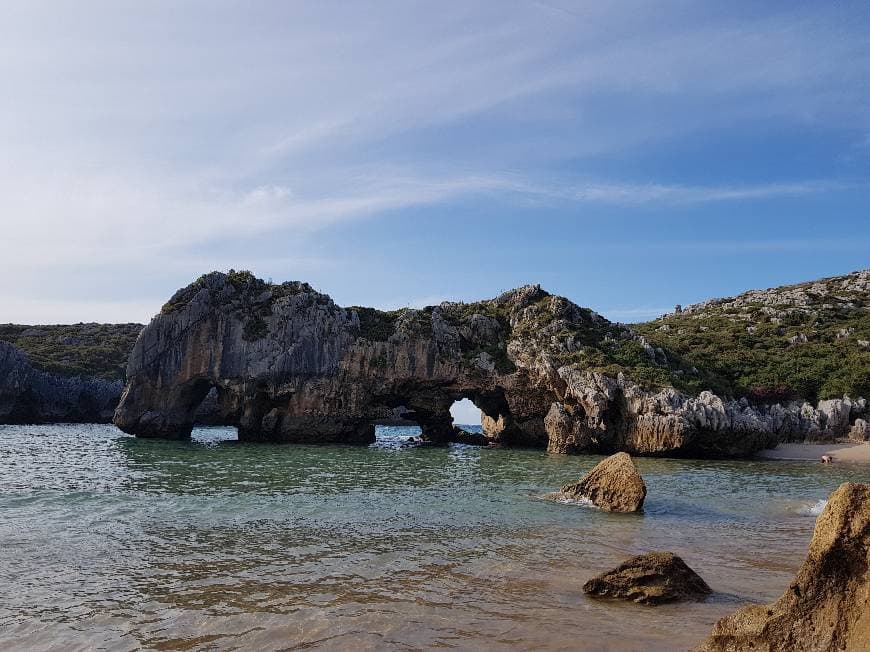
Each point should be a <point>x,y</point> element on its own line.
<point>561,498</point>
<point>812,509</point>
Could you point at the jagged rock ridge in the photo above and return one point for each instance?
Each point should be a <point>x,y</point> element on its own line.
<point>29,395</point>
<point>63,373</point>
<point>290,365</point>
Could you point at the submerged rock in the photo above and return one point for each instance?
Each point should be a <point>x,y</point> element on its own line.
<point>470,438</point>
<point>654,578</point>
<point>614,485</point>
<point>827,606</point>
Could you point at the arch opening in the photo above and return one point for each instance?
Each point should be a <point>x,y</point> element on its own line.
<point>397,428</point>
<point>211,424</point>
<point>465,413</point>
<point>438,415</point>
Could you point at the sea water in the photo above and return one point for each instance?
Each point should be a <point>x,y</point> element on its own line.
<point>117,543</point>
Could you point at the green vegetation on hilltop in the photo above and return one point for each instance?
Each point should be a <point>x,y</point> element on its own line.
<point>245,294</point>
<point>810,341</point>
<point>247,290</point>
<point>500,311</point>
<point>576,335</point>
<point>96,350</point>
<point>376,325</point>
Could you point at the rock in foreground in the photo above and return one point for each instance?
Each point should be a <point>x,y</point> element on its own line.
<point>653,578</point>
<point>827,607</point>
<point>614,485</point>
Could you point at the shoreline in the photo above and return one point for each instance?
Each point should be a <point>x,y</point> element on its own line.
<point>849,453</point>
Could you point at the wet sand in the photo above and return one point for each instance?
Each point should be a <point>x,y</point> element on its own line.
<point>858,453</point>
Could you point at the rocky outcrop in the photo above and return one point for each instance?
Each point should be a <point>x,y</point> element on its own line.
<point>614,485</point>
<point>860,430</point>
<point>29,395</point>
<point>669,420</point>
<point>785,345</point>
<point>827,607</point>
<point>288,364</point>
<point>848,291</point>
<point>654,578</point>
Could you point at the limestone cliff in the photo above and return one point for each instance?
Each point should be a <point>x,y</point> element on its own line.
<point>30,395</point>
<point>290,365</point>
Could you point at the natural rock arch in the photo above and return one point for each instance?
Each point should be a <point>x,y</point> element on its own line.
<point>289,365</point>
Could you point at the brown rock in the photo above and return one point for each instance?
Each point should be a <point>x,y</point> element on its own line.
<point>614,485</point>
<point>653,578</point>
<point>827,607</point>
<point>860,430</point>
<point>284,363</point>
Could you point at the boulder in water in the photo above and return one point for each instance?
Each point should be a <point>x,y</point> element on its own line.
<point>827,606</point>
<point>653,578</point>
<point>614,485</point>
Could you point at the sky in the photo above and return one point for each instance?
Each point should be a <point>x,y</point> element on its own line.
<point>627,155</point>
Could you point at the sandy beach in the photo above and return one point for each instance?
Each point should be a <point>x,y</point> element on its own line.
<point>857,453</point>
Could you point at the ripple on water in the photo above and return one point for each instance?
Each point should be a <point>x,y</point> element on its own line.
<point>122,543</point>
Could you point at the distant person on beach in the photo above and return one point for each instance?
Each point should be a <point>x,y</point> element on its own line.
<point>827,459</point>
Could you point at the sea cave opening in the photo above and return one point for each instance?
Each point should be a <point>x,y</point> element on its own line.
<point>398,428</point>
<point>210,424</point>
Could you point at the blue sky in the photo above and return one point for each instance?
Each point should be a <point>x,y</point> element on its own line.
<point>628,155</point>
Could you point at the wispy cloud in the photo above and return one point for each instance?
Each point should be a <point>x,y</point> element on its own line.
<point>614,192</point>
<point>675,194</point>
<point>725,247</point>
<point>158,135</point>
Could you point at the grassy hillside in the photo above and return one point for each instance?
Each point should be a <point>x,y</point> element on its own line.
<point>810,340</point>
<point>98,350</point>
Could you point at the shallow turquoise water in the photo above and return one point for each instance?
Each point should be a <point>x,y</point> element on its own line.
<point>109,542</point>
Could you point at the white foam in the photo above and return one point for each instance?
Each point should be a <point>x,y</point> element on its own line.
<point>812,509</point>
<point>565,500</point>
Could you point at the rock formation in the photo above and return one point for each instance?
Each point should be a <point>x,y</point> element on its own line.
<point>29,395</point>
<point>860,430</point>
<point>614,485</point>
<point>654,578</point>
<point>670,420</point>
<point>290,365</point>
<point>827,607</point>
<point>788,345</point>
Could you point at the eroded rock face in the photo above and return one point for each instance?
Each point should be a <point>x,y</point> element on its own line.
<point>28,395</point>
<point>652,422</point>
<point>288,364</point>
<point>654,578</point>
<point>860,430</point>
<point>614,485</point>
<point>827,607</point>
